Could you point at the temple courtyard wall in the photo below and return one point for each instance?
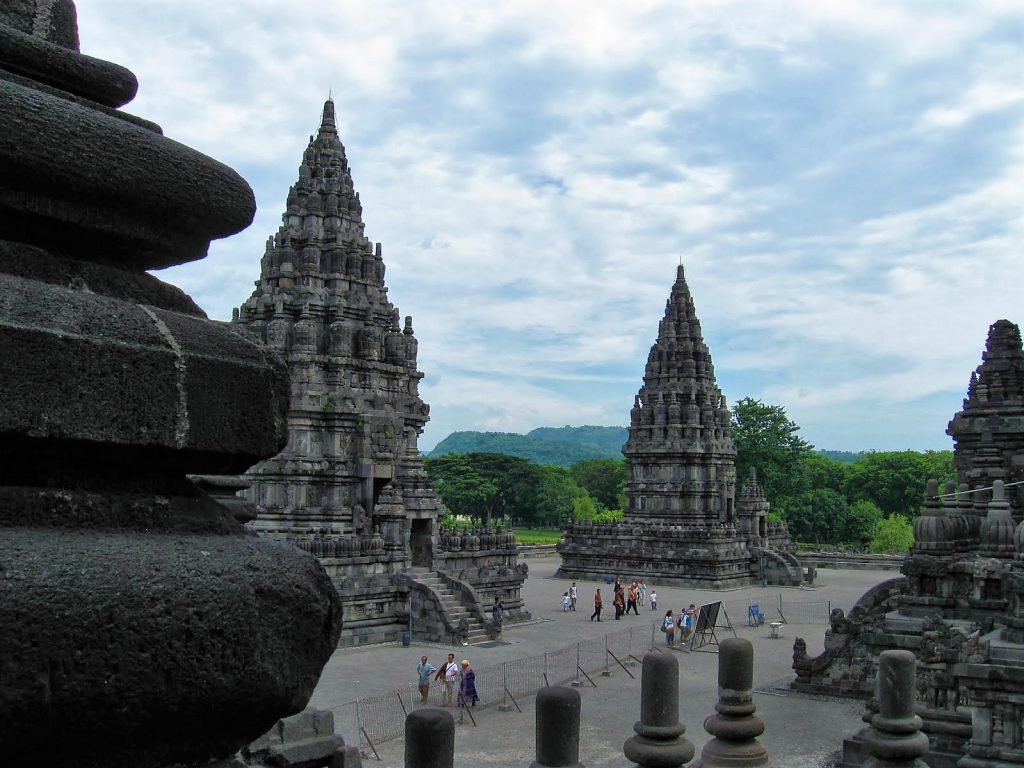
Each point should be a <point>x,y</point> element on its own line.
<point>801,730</point>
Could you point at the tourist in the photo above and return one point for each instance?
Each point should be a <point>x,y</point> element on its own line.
<point>467,688</point>
<point>598,605</point>
<point>619,604</point>
<point>643,591</point>
<point>498,613</point>
<point>450,674</point>
<point>680,622</point>
<point>572,597</point>
<point>424,670</point>
<point>687,626</point>
<point>566,601</point>
<point>668,626</point>
<point>632,598</point>
<point>654,599</point>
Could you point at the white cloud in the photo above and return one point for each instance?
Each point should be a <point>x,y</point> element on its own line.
<point>843,180</point>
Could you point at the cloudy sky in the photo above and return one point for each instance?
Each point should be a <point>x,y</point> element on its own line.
<point>842,180</point>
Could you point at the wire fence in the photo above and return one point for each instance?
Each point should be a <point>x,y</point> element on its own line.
<point>379,718</point>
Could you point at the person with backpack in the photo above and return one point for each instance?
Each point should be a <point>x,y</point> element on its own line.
<point>668,626</point>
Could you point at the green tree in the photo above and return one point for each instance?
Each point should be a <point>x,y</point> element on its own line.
<point>603,479</point>
<point>484,486</point>
<point>861,518</point>
<point>554,497</point>
<point>892,535</point>
<point>766,438</point>
<point>817,516</point>
<point>895,480</point>
<point>584,508</point>
<point>817,471</point>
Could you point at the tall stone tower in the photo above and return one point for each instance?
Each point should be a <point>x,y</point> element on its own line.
<point>682,524</point>
<point>679,455</point>
<point>355,409</point>
<point>989,431</point>
<point>350,485</point>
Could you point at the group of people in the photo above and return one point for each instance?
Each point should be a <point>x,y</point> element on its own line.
<point>454,677</point>
<point>683,623</point>
<point>624,599</point>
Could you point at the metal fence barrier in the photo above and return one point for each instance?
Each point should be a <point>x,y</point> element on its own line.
<point>379,718</point>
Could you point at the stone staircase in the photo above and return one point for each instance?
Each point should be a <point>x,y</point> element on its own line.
<point>453,607</point>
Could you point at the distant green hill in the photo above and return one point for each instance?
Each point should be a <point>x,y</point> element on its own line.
<point>557,446</point>
<point>843,457</point>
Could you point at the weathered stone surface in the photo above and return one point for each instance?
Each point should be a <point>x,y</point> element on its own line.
<point>659,739</point>
<point>57,65</point>
<point>104,371</point>
<point>305,740</point>
<point>55,21</point>
<point>81,170</point>
<point>181,638</point>
<point>895,738</point>
<point>557,728</point>
<point>140,624</point>
<point>735,727</point>
<point>429,738</point>
<point>25,261</point>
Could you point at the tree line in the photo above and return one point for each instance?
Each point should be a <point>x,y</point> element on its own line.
<point>868,503</point>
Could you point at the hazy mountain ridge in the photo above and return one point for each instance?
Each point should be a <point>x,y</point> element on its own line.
<point>563,446</point>
<point>557,446</point>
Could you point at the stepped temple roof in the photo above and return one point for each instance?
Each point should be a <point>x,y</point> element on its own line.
<point>680,452</point>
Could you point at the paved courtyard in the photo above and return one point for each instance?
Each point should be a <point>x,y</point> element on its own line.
<point>800,730</point>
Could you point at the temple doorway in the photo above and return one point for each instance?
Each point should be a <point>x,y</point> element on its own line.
<point>420,543</point>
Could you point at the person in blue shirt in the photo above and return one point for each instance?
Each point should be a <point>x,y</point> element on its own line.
<point>424,669</point>
<point>668,626</point>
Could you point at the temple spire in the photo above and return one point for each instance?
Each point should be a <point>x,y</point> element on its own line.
<point>667,439</point>
<point>327,121</point>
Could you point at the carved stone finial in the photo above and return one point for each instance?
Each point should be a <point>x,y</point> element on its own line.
<point>659,739</point>
<point>558,728</point>
<point>997,530</point>
<point>933,531</point>
<point>895,739</point>
<point>735,727</point>
<point>429,739</point>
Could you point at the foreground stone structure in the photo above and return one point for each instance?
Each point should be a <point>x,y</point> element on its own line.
<point>683,525</point>
<point>140,624</point>
<point>350,486</point>
<point>960,603</point>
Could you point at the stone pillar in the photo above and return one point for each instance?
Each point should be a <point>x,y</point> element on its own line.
<point>735,727</point>
<point>558,728</point>
<point>429,738</point>
<point>895,739</point>
<point>659,739</point>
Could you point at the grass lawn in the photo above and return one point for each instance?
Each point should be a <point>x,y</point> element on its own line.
<point>537,535</point>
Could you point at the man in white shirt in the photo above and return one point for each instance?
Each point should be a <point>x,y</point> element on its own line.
<point>572,597</point>
<point>450,670</point>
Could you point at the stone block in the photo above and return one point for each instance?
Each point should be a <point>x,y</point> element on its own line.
<point>204,397</point>
<point>85,177</point>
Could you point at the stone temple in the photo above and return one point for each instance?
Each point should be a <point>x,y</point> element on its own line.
<point>959,605</point>
<point>350,485</point>
<point>683,523</point>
